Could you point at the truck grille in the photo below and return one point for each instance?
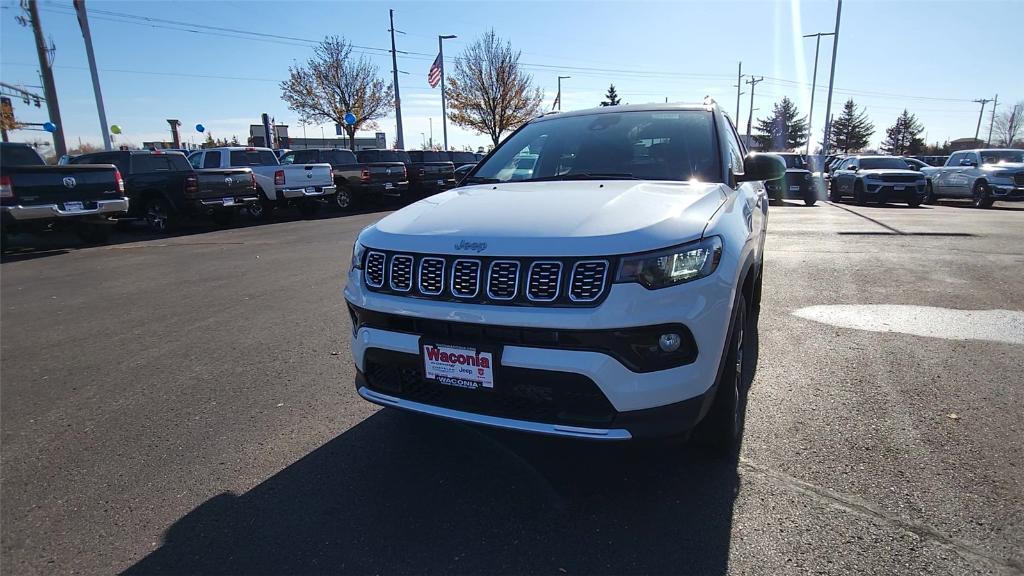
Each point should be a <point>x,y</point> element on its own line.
<point>1018,178</point>
<point>484,280</point>
<point>899,178</point>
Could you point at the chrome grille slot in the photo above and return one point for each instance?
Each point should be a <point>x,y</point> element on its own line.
<point>588,280</point>
<point>431,276</point>
<point>503,280</point>
<point>400,274</point>
<point>465,278</point>
<point>544,282</point>
<point>374,269</point>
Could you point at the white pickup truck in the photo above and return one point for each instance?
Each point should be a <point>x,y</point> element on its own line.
<point>305,185</point>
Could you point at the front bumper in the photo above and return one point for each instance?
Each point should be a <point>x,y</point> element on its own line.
<point>438,184</point>
<point>56,211</point>
<point>547,388</point>
<point>895,190</point>
<point>1007,193</point>
<point>381,189</point>
<point>309,191</point>
<point>226,202</point>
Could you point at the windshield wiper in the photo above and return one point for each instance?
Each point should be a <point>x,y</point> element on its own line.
<point>585,176</point>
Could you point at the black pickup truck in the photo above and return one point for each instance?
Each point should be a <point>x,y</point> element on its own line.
<point>430,171</point>
<point>164,188</point>
<point>357,180</point>
<point>36,197</point>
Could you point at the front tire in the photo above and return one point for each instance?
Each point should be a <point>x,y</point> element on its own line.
<point>980,195</point>
<point>859,195</point>
<point>833,192</point>
<point>722,427</point>
<point>929,194</point>
<point>810,197</point>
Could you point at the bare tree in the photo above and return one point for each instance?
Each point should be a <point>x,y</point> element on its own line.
<point>333,83</point>
<point>488,91</point>
<point>1009,124</point>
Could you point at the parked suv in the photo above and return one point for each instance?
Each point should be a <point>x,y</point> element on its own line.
<point>606,295</point>
<point>879,179</point>
<point>798,181</point>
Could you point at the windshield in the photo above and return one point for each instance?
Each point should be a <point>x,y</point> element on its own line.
<point>651,145</point>
<point>997,156</point>
<point>462,156</point>
<point>891,163</point>
<point>794,161</point>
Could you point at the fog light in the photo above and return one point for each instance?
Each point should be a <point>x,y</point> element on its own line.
<point>669,342</point>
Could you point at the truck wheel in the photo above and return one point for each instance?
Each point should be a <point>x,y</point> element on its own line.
<point>343,200</point>
<point>981,196</point>
<point>158,216</point>
<point>914,201</point>
<point>833,192</point>
<point>810,197</point>
<point>859,195</point>
<point>260,210</point>
<point>223,217</point>
<point>929,194</point>
<point>91,233</point>
<point>721,429</point>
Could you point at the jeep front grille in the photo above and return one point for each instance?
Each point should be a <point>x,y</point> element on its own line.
<point>490,280</point>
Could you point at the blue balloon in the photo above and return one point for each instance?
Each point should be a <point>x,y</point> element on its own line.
<point>350,118</point>
<point>200,128</point>
<point>50,127</point>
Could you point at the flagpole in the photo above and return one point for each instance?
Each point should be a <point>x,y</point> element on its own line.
<point>444,106</point>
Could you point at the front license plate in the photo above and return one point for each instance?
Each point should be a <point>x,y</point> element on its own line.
<point>310,190</point>
<point>458,366</point>
<point>388,185</point>
<point>898,188</point>
<point>228,201</point>
<point>794,188</point>
<point>440,182</point>
<point>73,206</point>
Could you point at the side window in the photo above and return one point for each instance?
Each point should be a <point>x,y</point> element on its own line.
<point>955,159</point>
<point>196,160</point>
<point>305,157</point>
<point>973,156</point>
<point>368,156</point>
<point>733,147</point>
<point>288,158</point>
<point>179,162</point>
<point>150,163</point>
<point>212,159</point>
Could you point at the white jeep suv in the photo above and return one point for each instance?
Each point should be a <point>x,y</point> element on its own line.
<point>591,278</point>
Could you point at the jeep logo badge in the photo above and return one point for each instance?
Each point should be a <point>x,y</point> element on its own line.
<point>229,181</point>
<point>309,174</point>
<point>69,182</point>
<point>474,246</point>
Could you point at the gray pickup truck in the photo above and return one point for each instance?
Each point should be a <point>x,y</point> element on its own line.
<point>981,176</point>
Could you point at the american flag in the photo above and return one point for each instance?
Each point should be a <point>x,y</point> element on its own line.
<point>434,76</point>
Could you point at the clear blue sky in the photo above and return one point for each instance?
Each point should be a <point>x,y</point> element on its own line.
<point>932,57</point>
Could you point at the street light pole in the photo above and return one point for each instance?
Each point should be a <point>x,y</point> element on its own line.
<point>560,90</point>
<point>814,83</point>
<point>831,80</point>
<point>444,107</point>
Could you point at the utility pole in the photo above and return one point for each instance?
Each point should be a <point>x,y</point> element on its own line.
<point>49,89</point>
<point>394,72</point>
<point>431,119</point>
<point>750,118</point>
<point>444,109</point>
<point>831,80</point>
<point>83,23</point>
<point>814,82</point>
<point>560,78</point>
<point>992,123</point>
<point>739,84</point>
<point>981,101</point>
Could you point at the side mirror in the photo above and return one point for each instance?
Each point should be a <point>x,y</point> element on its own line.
<point>968,162</point>
<point>854,168</point>
<point>762,167</point>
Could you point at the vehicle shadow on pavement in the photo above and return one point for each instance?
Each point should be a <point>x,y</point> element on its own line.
<point>402,493</point>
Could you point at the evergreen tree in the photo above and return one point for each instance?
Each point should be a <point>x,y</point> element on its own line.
<point>611,98</point>
<point>851,131</point>
<point>783,130</point>
<point>903,137</point>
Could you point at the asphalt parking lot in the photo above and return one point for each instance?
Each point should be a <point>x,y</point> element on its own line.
<point>185,405</point>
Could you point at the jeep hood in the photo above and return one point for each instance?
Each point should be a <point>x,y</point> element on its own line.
<point>559,218</point>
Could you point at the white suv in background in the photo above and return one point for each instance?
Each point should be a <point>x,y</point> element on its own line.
<point>602,292</point>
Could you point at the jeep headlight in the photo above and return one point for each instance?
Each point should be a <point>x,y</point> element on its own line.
<point>673,266</point>
<point>358,251</point>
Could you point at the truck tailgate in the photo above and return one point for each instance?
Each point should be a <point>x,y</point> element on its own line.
<point>436,170</point>
<point>56,184</point>
<point>302,175</point>
<point>223,183</point>
<point>386,172</point>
